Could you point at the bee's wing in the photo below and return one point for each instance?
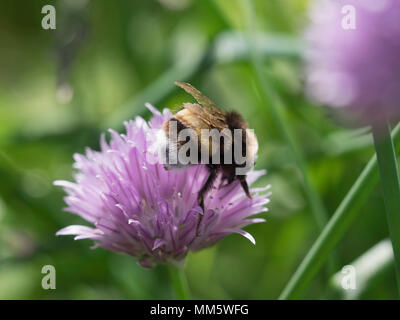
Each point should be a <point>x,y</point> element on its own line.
<point>205,116</point>
<point>209,106</point>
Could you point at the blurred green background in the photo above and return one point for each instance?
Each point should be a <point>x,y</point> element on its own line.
<point>60,88</point>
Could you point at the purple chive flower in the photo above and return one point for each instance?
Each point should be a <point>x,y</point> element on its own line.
<point>139,208</point>
<point>354,63</point>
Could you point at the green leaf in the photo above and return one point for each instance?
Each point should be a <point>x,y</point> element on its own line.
<point>368,267</point>
<point>389,174</point>
<point>336,227</point>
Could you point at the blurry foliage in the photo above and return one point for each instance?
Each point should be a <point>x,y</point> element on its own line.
<point>60,89</point>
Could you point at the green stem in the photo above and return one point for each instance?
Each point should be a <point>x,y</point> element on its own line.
<point>179,283</point>
<point>390,188</point>
<point>317,208</point>
<point>275,105</point>
<point>336,227</point>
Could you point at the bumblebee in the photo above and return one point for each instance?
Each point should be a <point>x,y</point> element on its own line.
<point>236,138</point>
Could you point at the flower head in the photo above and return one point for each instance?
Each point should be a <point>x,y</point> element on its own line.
<point>139,208</point>
<point>354,57</point>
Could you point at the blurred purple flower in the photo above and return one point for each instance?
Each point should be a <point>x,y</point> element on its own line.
<point>357,68</point>
<point>141,209</point>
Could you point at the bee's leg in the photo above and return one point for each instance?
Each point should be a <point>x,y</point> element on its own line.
<point>203,191</point>
<point>207,186</point>
<point>245,187</point>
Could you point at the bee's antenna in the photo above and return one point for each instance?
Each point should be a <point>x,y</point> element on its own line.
<point>245,187</point>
